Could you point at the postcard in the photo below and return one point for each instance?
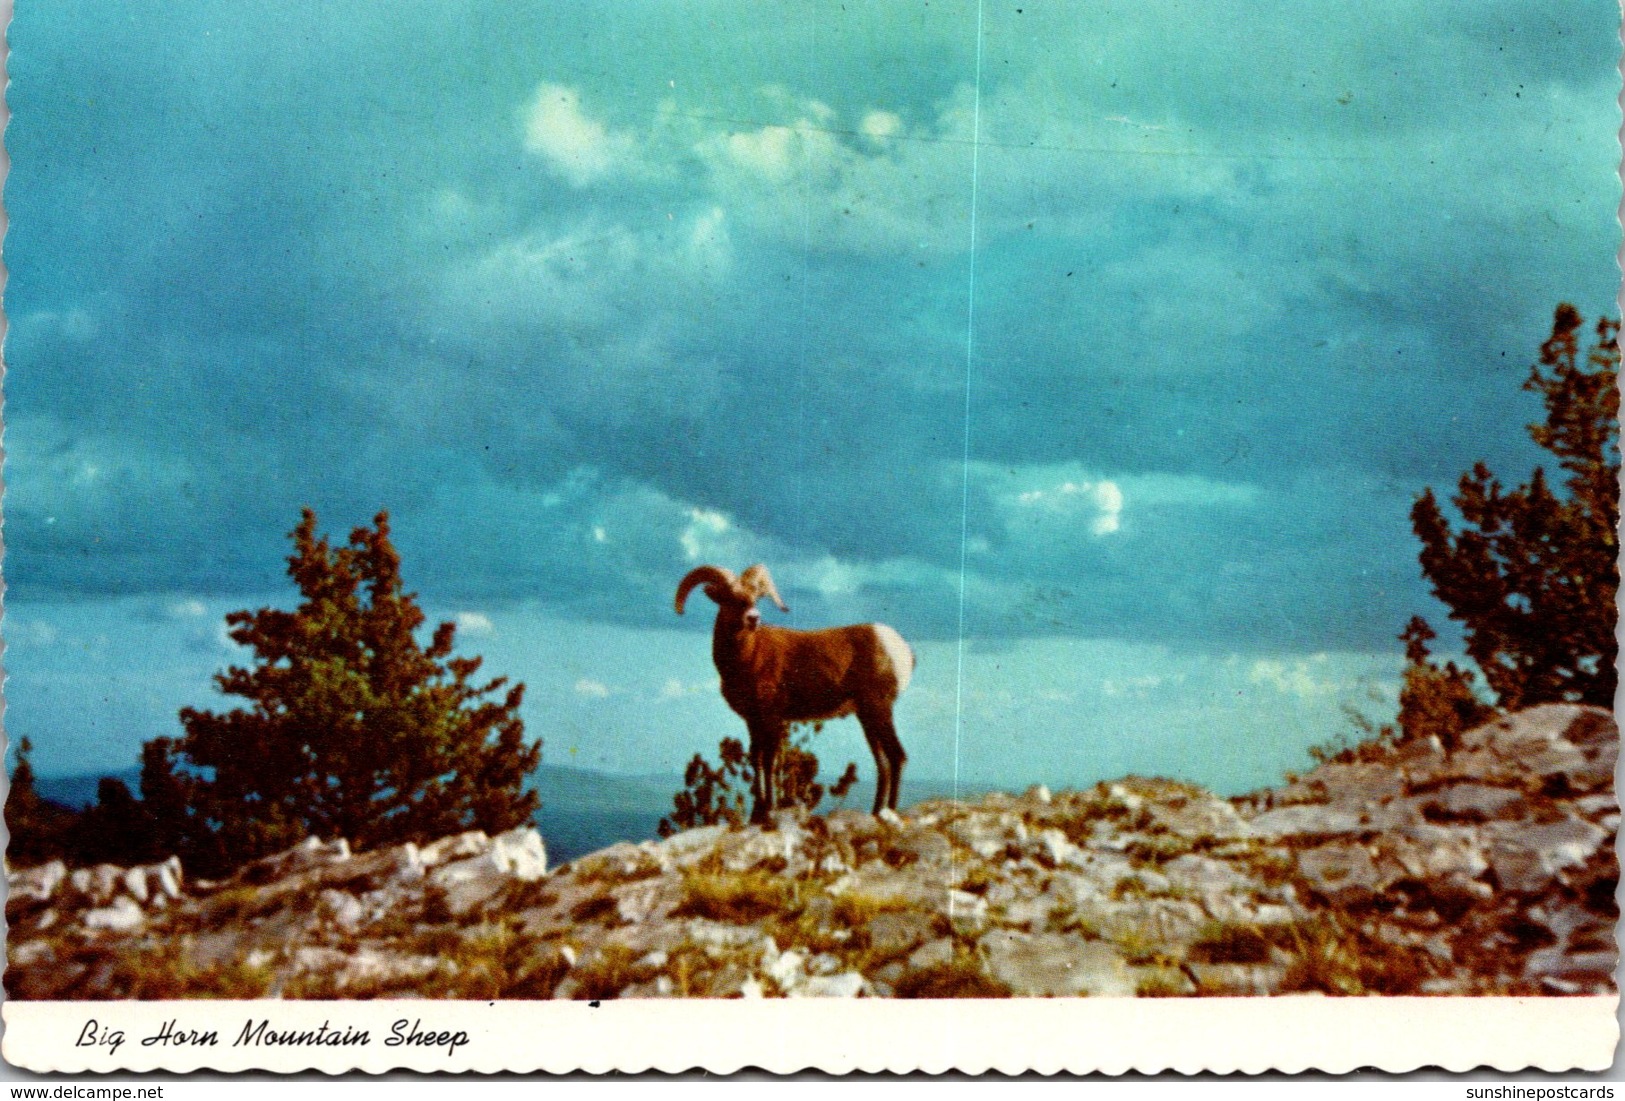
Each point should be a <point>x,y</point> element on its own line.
<point>915,536</point>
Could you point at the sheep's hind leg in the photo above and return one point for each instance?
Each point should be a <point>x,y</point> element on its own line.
<point>881,735</point>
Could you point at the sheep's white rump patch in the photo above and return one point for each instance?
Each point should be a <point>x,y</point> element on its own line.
<point>902,658</point>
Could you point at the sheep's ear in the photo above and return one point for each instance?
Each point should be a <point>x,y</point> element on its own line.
<point>717,581</point>
<point>759,583</point>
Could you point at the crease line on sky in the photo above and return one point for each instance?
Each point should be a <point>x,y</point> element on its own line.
<point>970,351</point>
<point>802,346</point>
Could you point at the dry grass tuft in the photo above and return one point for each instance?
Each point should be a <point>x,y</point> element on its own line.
<point>739,898</point>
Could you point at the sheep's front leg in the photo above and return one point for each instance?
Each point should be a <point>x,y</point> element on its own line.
<point>758,792</point>
<point>765,740</point>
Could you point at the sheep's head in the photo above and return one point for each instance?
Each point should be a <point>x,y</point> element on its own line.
<point>735,596</point>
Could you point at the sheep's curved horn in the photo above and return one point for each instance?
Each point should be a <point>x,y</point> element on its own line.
<point>759,583</point>
<point>707,576</point>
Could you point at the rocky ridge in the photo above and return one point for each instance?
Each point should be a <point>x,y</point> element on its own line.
<point>1484,868</point>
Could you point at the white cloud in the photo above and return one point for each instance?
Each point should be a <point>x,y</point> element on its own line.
<point>675,689</point>
<point>588,276</point>
<point>848,184</point>
<point>1061,496</point>
<point>592,689</point>
<point>880,125</point>
<point>702,538</point>
<point>831,577</point>
<point>768,152</point>
<point>579,148</point>
<point>1136,687</point>
<point>30,632</point>
<point>597,314</point>
<point>187,609</point>
<point>473,623</point>
<point>76,325</point>
<point>1304,678</point>
<point>1099,503</point>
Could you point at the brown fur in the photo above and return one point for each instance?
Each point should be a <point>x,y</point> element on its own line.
<point>775,676</point>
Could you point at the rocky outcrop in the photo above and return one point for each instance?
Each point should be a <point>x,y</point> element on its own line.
<point>1485,869</point>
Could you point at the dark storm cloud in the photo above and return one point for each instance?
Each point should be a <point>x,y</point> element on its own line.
<point>585,301</point>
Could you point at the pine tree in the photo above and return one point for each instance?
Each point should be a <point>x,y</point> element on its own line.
<point>116,829</point>
<point>1435,701</point>
<point>40,828</point>
<point>351,727</point>
<point>1532,574</point>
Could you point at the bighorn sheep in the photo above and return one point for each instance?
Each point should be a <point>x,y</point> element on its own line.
<point>775,676</point>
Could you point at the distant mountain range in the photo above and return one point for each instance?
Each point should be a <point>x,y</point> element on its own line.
<point>582,810</point>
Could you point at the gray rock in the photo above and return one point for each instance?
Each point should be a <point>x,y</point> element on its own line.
<point>1204,816</point>
<point>370,968</point>
<point>824,964</point>
<point>646,901</point>
<point>310,853</point>
<point>1054,850</point>
<point>32,954</point>
<point>683,849</point>
<point>789,969</point>
<point>1100,892</point>
<point>1306,820</point>
<point>1527,857</point>
<point>124,915</point>
<point>1433,853</point>
<point>1343,872</point>
<point>135,884</point>
<point>154,883</point>
<point>457,847</point>
<point>967,913</point>
<point>753,847</point>
<point>897,888</point>
<point>1592,971</point>
<point>1472,803</point>
<point>1599,806</point>
<point>849,984</point>
<point>936,953</point>
<point>520,853</point>
<point>1055,965</point>
<point>1359,783</point>
<point>343,910</point>
<point>1526,732</point>
<point>468,883</point>
<point>893,934</point>
<point>989,834</point>
<point>1031,911</point>
<point>38,883</point>
<point>915,844</point>
<point>719,939</point>
<point>96,885</point>
<point>1202,874</point>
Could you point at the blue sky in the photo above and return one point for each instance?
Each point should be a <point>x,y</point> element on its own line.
<point>1102,353</point>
